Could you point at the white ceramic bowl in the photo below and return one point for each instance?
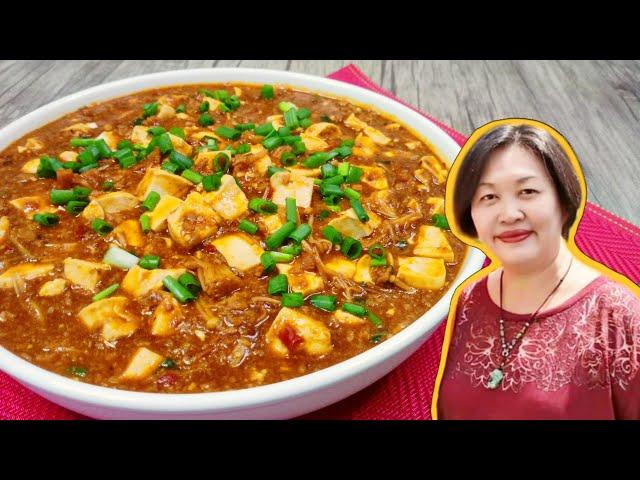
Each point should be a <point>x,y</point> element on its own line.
<point>279,400</point>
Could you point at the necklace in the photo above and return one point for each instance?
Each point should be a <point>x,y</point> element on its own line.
<point>497,375</point>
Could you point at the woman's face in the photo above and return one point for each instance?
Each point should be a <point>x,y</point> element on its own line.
<point>516,210</point>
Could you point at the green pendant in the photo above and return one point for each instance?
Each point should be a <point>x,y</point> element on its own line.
<point>495,378</point>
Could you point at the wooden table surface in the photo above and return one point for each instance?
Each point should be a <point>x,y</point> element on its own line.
<point>594,104</point>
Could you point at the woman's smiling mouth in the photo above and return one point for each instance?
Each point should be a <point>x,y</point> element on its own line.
<point>514,236</point>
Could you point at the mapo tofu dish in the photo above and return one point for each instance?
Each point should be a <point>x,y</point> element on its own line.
<point>212,237</point>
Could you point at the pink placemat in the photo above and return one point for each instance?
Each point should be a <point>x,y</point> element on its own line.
<point>405,393</point>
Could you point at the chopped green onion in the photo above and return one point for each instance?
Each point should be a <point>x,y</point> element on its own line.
<point>264,129</point>
<point>164,143</point>
<point>228,133</point>
<point>118,257</point>
<point>75,207</point>
<point>294,249</point>
<point>354,309</point>
<point>149,109</point>
<point>316,159</point>
<point>263,206</point>
<point>292,300</point>
<point>179,291</point>
<point>245,126</point>
<point>281,257</point>
<point>243,148</point>
<point>328,170</point>
<point>179,159</point>
<point>374,319</point>
<point>288,159</point>
<point>60,197</point>
<point>299,147</point>
<point>170,166</point>
<point>278,237</point>
<point>48,166</point>
<point>267,261</point>
<point>326,118</point>
<point>306,123</point>
<point>343,168</point>
<point>77,371</point>
<point>291,209</point>
<point>105,293</point>
<point>169,363</point>
<point>211,182</point>
<point>303,113</point>
<point>376,338</point>
<point>351,194</point>
<point>362,215</point>
<point>155,131</point>
<point>247,226</point>
<point>151,201</point>
<point>181,108</point>
<point>271,143</point>
<point>330,190</point>
<point>205,119</point>
<point>108,185</point>
<point>138,121</point>
<point>285,106</point>
<point>122,144</point>
<point>324,302</point>
<point>150,262</point>
<point>378,256</point>
<point>90,166</point>
<point>343,151</point>
<point>81,142</point>
<point>190,282</point>
<point>333,235</point>
<point>233,103</point>
<point>300,233</point>
<point>291,139</point>
<point>178,132</point>
<point>193,177</point>
<point>324,214</point>
<point>267,92</point>
<point>278,285</point>
<point>354,174</point>
<point>291,119</point>
<point>335,180</point>
<point>284,132</point>
<point>101,227</point>
<point>334,208</point>
<point>221,163</point>
<point>347,143</point>
<point>203,107</point>
<point>351,248</point>
<point>46,219</point>
<point>440,221</point>
<point>103,148</point>
<point>145,223</point>
<point>271,169</point>
<point>73,166</point>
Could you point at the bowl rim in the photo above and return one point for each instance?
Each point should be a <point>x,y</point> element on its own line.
<point>53,383</point>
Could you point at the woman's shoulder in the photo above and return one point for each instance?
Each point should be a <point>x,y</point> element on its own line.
<point>617,300</point>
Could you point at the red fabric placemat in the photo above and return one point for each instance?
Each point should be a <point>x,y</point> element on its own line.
<point>405,393</point>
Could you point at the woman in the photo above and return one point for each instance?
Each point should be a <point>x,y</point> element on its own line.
<point>546,335</point>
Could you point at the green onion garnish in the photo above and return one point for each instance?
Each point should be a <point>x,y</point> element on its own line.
<point>77,371</point>
<point>354,309</point>
<point>378,256</point>
<point>170,166</point>
<point>263,206</point>
<point>205,119</point>
<point>306,123</point>
<point>61,197</point>
<point>281,257</point>
<point>164,143</point>
<point>291,209</point>
<point>328,170</point>
<point>354,174</point>
<point>324,214</point>
<point>118,257</point>
<point>169,363</point>
<point>267,261</point>
<point>181,108</point>
<point>155,131</point>
<point>278,237</point>
<point>108,185</point>
<point>75,207</point>
<point>291,139</point>
<point>193,177</point>
<point>267,92</point>
<point>351,194</point>
<point>150,262</point>
<point>299,147</point>
<point>243,148</point>
<point>316,159</point>
<point>48,166</point>
<point>440,221</point>
<point>294,249</point>
<point>351,248</point>
<point>105,293</point>
<point>82,142</point>
<point>149,109</point>
<point>203,107</point>
<point>181,160</point>
<point>221,163</point>
<point>179,291</point>
<point>145,223</point>
<point>46,219</point>
<point>278,285</point>
<point>151,201</point>
<point>191,283</point>
<point>228,133</point>
<point>178,132</point>
<point>288,159</point>
<point>211,182</point>
<point>247,226</point>
<point>303,113</point>
<point>292,300</point>
<point>362,215</point>
<point>291,119</point>
<point>284,132</point>
<point>271,169</point>
<point>285,106</point>
<point>333,235</point>
<point>271,143</point>
<point>245,126</point>
<point>101,227</point>
<point>264,129</point>
<point>300,233</point>
<point>374,319</point>
<point>324,302</point>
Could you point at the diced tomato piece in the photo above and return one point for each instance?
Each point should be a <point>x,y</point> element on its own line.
<point>290,338</point>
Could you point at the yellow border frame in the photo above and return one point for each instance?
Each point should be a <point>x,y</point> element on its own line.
<point>495,264</point>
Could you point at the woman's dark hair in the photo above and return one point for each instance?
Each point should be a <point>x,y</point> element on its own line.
<point>542,144</point>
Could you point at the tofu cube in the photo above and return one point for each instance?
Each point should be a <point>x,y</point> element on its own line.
<point>139,281</point>
<point>193,221</point>
<point>289,184</point>
<point>229,201</point>
<point>300,333</point>
<point>164,208</point>
<point>239,250</point>
<point>422,272</point>
<point>143,363</point>
<point>433,243</point>
<point>163,182</point>
<point>84,274</point>
<point>53,288</point>
<point>24,272</point>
